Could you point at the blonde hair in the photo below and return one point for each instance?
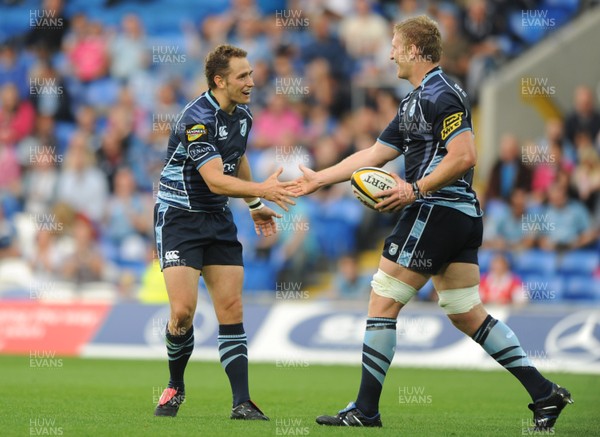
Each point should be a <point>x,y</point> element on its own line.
<point>424,33</point>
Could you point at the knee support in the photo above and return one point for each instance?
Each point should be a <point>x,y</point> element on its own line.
<point>387,286</point>
<point>459,300</point>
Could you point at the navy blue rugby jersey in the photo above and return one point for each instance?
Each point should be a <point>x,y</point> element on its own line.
<point>428,118</point>
<point>202,132</point>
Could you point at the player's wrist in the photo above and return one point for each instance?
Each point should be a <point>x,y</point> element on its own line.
<point>418,194</point>
<point>255,204</point>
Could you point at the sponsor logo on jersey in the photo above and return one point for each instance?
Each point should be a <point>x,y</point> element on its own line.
<point>223,132</point>
<point>393,249</point>
<point>451,123</point>
<point>243,127</point>
<point>197,151</point>
<point>195,132</point>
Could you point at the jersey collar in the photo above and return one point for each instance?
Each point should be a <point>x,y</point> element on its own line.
<point>437,70</point>
<point>212,99</point>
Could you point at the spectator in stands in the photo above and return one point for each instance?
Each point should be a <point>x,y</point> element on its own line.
<point>585,117</point>
<point>87,119</point>
<point>45,260</point>
<point>554,134</point>
<point>511,230</point>
<point>402,9</point>
<point>262,85</point>
<point>275,122</point>
<point>49,94</point>
<point>455,47</point>
<point>13,69</point>
<point>128,218</point>
<point>8,234</point>
<point>323,44</point>
<point>509,172</point>
<point>500,285</point>
<point>10,171</point>
<point>248,34</point>
<point>327,90</point>
<point>129,49</point>
<point>17,117</point>
<point>82,185</point>
<point>84,263</point>
<point>364,32</point>
<point>318,124</point>
<point>42,136</point>
<point>111,157</point>
<point>41,181</point>
<point>53,25</point>
<point>349,283</point>
<point>550,166</point>
<point>478,28</point>
<point>286,79</point>
<point>569,222</point>
<point>88,53</point>
<point>586,176</point>
<point>288,154</point>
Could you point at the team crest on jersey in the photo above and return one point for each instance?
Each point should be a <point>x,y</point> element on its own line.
<point>194,132</point>
<point>243,127</point>
<point>393,250</point>
<point>451,123</point>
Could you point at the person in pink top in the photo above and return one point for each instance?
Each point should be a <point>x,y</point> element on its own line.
<point>275,122</point>
<point>16,116</point>
<point>89,54</point>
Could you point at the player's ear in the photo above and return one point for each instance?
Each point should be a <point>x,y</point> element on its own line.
<point>219,81</point>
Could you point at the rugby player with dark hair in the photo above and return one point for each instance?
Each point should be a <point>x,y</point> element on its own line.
<point>194,228</point>
<point>439,230</point>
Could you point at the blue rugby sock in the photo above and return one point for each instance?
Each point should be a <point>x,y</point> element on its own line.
<point>379,347</point>
<point>233,351</point>
<point>179,350</point>
<point>501,343</point>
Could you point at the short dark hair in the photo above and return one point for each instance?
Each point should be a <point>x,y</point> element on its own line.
<point>216,62</point>
<point>424,33</point>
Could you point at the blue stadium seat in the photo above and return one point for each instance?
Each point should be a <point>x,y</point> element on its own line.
<point>544,289</point>
<point>531,34</point>
<point>484,258</point>
<point>535,262</point>
<point>64,131</point>
<point>582,262</point>
<point>259,276</point>
<point>102,93</point>
<point>582,288</point>
<point>270,6</point>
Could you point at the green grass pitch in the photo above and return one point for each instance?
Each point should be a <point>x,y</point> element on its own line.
<point>90,397</point>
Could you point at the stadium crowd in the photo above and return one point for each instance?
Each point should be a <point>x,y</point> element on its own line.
<point>88,98</point>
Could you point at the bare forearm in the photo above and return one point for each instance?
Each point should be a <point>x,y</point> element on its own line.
<point>449,170</point>
<point>245,174</point>
<point>231,186</point>
<point>343,170</point>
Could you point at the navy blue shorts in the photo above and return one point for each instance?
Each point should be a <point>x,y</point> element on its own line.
<point>427,237</point>
<point>195,239</point>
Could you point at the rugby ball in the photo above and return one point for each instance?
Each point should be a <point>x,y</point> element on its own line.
<point>368,181</point>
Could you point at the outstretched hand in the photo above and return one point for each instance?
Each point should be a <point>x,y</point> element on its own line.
<point>305,184</point>
<point>395,198</point>
<point>278,192</point>
<point>264,222</point>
